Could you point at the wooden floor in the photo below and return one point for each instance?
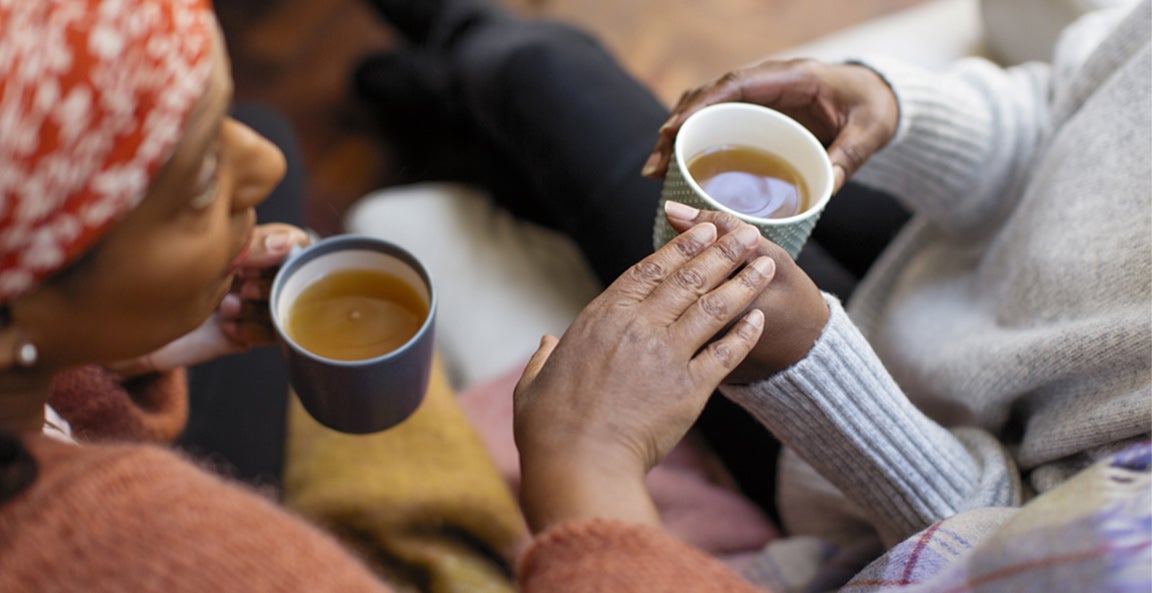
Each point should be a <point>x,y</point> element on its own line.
<point>296,54</point>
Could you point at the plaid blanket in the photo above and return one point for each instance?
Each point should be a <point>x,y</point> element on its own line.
<point>1091,534</point>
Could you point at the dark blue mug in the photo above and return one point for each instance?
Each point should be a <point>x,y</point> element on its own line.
<point>364,395</point>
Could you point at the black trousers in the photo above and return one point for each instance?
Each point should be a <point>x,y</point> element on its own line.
<point>571,130</point>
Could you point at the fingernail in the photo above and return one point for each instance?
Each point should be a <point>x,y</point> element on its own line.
<point>755,318</point>
<point>765,265</point>
<point>680,211</point>
<point>748,235</point>
<point>649,166</point>
<point>838,174</point>
<point>279,242</point>
<point>231,304</point>
<point>703,232</point>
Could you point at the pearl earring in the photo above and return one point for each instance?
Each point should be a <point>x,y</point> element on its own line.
<point>27,355</point>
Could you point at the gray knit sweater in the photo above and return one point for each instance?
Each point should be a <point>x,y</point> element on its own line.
<point>1003,342</point>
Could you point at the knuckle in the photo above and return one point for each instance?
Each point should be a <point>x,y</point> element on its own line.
<point>688,246</point>
<point>648,271</point>
<point>723,354</point>
<point>729,78</point>
<point>690,278</point>
<point>727,220</point>
<point>809,66</point>
<point>732,250</point>
<point>633,332</point>
<point>732,83</point>
<point>751,279</point>
<point>715,307</point>
<point>854,155</point>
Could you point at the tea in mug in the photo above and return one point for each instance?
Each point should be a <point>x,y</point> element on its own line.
<point>355,314</point>
<point>750,181</point>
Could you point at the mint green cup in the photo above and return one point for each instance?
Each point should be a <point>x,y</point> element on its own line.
<point>745,124</point>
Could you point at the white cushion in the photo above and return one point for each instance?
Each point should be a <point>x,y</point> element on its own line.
<point>501,282</point>
<point>931,34</point>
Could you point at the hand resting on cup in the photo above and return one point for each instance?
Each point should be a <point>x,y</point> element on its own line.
<point>848,107</point>
<point>794,310</point>
<point>598,408</point>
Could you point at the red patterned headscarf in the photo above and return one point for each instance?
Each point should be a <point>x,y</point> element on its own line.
<point>94,95</point>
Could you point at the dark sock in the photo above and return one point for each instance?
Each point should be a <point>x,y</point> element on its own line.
<point>407,92</point>
<point>413,94</point>
<point>410,82</point>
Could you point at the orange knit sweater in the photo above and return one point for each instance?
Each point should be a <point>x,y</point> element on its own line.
<point>137,517</point>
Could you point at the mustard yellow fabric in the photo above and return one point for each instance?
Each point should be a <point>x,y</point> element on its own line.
<point>422,502</point>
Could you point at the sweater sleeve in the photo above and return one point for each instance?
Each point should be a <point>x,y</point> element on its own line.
<point>844,415</point>
<point>603,555</point>
<point>964,138</point>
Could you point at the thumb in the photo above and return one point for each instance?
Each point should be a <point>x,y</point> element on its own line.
<point>548,344</point>
<point>848,153</point>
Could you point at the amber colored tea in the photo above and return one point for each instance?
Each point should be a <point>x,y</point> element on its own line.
<point>355,314</point>
<point>750,181</point>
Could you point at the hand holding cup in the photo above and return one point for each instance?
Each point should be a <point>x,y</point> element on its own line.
<point>754,163</point>
<point>849,108</point>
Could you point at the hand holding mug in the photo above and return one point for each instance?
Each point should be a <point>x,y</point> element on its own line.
<point>848,107</point>
<point>597,409</point>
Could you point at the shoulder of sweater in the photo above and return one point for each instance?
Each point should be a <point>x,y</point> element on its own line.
<point>167,520</point>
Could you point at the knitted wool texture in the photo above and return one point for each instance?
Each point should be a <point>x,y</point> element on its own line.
<point>422,499</point>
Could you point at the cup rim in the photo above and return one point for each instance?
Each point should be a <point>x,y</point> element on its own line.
<point>826,161</point>
<point>301,257</point>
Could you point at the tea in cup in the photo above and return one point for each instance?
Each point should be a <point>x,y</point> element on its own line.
<point>753,162</point>
<point>355,318</point>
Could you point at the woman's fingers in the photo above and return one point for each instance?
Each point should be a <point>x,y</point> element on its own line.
<point>683,217</point>
<point>690,102</point>
<point>867,127</point>
<point>271,243</point>
<point>689,283</point>
<point>763,84</point>
<point>723,355</point>
<point>717,309</point>
<point>642,278</point>
<point>848,107</point>
<point>256,288</point>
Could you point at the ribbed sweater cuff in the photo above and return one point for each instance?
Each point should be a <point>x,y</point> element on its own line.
<point>608,555</point>
<point>940,146</point>
<point>840,410</point>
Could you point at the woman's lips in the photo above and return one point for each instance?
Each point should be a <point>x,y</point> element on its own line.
<point>239,259</point>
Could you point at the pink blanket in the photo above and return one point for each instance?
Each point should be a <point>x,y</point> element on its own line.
<point>696,498</point>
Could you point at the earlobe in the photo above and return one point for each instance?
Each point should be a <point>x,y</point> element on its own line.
<point>26,354</point>
<point>16,350</point>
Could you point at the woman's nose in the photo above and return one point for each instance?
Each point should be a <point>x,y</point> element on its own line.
<point>259,165</point>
